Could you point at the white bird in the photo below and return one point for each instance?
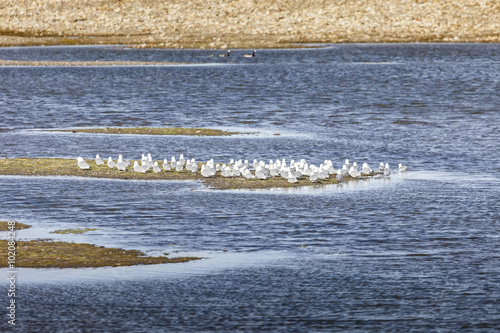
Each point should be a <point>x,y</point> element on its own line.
<point>179,166</point>
<point>366,169</point>
<point>345,170</point>
<point>82,164</point>
<point>402,168</point>
<point>381,167</point>
<point>259,173</point>
<point>205,172</point>
<point>194,167</point>
<point>111,163</point>
<point>292,179</point>
<point>166,166</point>
<point>249,55</point>
<point>98,160</point>
<point>137,167</point>
<point>387,171</point>
<point>314,177</point>
<point>156,168</point>
<point>353,172</point>
<point>120,165</point>
<point>340,176</point>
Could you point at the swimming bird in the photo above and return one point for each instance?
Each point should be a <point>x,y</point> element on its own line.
<point>225,55</point>
<point>98,160</point>
<point>381,167</point>
<point>156,168</point>
<point>82,164</point>
<point>111,163</point>
<point>402,168</point>
<point>249,55</point>
<point>387,171</point>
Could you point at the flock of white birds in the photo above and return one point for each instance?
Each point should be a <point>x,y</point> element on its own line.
<point>292,171</point>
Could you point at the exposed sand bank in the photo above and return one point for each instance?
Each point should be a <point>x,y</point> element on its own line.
<point>246,23</point>
<point>69,167</point>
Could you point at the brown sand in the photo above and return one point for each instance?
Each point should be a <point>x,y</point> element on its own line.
<point>246,23</point>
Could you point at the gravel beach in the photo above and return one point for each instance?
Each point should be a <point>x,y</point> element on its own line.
<point>217,24</point>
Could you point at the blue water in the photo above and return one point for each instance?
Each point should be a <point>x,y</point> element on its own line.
<point>417,252</point>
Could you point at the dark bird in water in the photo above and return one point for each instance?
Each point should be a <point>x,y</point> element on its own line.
<point>250,55</point>
<point>222,55</point>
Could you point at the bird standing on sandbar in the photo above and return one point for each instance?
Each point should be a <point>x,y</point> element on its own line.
<point>82,164</point>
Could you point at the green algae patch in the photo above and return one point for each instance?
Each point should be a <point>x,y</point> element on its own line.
<point>154,131</point>
<point>69,167</point>
<point>49,254</point>
<point>73,231</point>
<point>4,226</point>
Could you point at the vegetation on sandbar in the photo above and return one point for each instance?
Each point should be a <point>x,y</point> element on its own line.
<point>49,254</point>
<point>73,231</point>
<point>69,167</point>
<point>4,226</point>
<point>153,131</point>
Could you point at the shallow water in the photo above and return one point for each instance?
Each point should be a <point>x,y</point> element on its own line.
<point>418,251</point>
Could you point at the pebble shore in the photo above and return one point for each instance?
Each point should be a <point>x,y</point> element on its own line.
<point>218,24</point>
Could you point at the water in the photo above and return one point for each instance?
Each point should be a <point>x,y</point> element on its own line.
<point>417,252</point>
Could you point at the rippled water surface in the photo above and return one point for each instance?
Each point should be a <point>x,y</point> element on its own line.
<point>414,252</point>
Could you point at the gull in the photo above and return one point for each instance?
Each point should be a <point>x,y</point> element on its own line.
<point>402,168</point>
<point>345,171</point>
<point>249,55</point>
<point>156,168</point>
<point>111,163</point>
<point>247,174</point>
<point>259,173</point>
<point>181,159</point>
<point>225,55</point>
<point>366,169</point>
<point>353,172</point>
<point>340,176</point>
<point>381,167</point>
<point>166,166</point>
<point>387,171</point>
<point>314,177</point>
<point>137,167</point>
<point>121,164</point>
<point>98,160</point>
<point>150,161</point>
<point>82,164</point>
<point>292,179</point>
<point>205,172</point>
<point>194,167</point>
